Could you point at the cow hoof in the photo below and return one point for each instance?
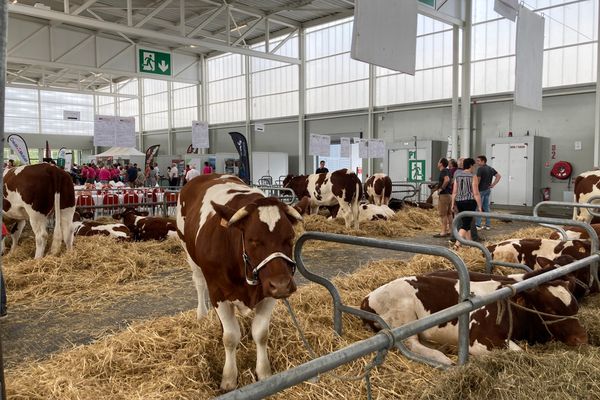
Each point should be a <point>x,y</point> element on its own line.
<point>263,373</point>
<point>201,313</point>
<point>228,384</point>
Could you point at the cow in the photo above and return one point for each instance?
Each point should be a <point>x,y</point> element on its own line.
<point>587,185</point>
<point>328,189</point>
<point>495,325</point>
<point>372,212</point>
<point>581,281</point>
<point>32,192</point>
<point>576,232</point>
<point>239,246</point>
<point>378,189</point>
<point>93,228</point>
<point>527,251</point>
<point>143,227</point>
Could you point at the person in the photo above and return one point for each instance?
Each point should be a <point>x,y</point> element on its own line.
<point>11,163</point>
<point>173,175</point>
<point>185,171</point>
<point>132,174</point>
<point>91,173</point>
<point>322,169</point>
<point>445,198</point>
<point>207,170</point>
<point>465,197</point>
<point>192,173</point>
<point>104,174</point>
<point>485,173</point>
<point>452,167</point>
<point>152,177</point>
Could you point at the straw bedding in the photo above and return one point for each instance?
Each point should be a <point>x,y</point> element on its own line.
<point>180,357</point>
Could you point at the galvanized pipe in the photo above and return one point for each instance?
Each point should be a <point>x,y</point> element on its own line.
<point>565,204</point>
<point>3,41</point>
<point>301,373</point>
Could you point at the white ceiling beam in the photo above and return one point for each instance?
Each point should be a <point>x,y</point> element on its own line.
<point>59,76</point>
<point>17,76</point>
<point>66,6</point>
<point>435,14</point>
<point>182,30</point>
<point>78,46</point>
<point>207,21</point>
<point>99,18</point>
<point>249,29</point>
<point>284,41</point>
<point>129,13</point>
<point>153,13</point>
<point>140,32</point>
<point>83,7</point>
<point>258,13</point>
<point>25,40</point>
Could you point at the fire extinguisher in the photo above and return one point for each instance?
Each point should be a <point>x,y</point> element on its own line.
<point>546,194</point>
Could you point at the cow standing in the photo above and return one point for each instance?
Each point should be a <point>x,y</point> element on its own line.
<point>143,227</point>
<point>239,246</point>
<point>587,185</point>
<point>378,189</point>
<point>32,192</point>
<point>493,326</point>
<point>341,187</point>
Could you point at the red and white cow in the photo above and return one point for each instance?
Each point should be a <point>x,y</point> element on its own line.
<point>239,245</point>
<point>587,185</point>
<point>372,212</point>
<point>378,189</point>
<point>527,251</point>
<point>94,228</point>
<point>33,192</point>
<point>330,189</point>
<point>143,227</point>
<point>575,232</point>
<point>493,326</point>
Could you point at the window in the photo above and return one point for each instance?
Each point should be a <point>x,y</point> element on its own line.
<point>226,89</point>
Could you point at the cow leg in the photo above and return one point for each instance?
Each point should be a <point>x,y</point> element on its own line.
<point>38,224</point>
<point>201,288</point>
<point>16,235</point>
<point>260,334</point>
<point>417,347</point>
<point>231,339</point>
<point>66,226</point>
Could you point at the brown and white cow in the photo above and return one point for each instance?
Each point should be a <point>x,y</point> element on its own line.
<point>587,185</point>
<point>575,232</point>
<point>94,228</point>
<point>378,189</point>
<point>33,192</point>
<point>339,187</point>
<point>527,251</point>
<point>372,212</point>
<point>239,246</point>
<point>407,299</point>
<point>143,227</point>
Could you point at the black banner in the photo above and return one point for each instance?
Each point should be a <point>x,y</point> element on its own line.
<point>151,152</point>
<point>242,147</point>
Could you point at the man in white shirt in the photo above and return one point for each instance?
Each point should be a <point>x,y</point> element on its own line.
<point>192,173</point>
<point>173,175</point>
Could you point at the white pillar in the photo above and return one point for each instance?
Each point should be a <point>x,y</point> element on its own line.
<point>301,103</point>
<point>597,108</point>
<point>465,150</point>
<point>455,110</point>
<point>370,122</point>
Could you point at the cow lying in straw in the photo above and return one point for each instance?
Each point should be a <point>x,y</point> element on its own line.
<point>144,227</point>
<point>372,212</point>
<point>93,228</point>
<point>527,251</point>
<point>575,232</point>
<point>536,315</point>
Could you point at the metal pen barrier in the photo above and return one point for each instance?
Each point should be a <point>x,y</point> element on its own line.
<point>410,189</point>
<point>563,204</point>
<point>163,204</point>
<point>286,195</point>
<point>523,218</point>
<point>339,307</point>
<point>382,340</point>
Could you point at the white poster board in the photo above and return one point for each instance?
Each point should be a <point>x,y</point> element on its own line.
<point>376,148</point>
<point>125,132</point>
<point>313,144</point>
<point>345,147</point>
<point>325,146</point>
<point>200,139</point>
<point>385,34</point>
<point>71,115</point>
<point>104,130</point>
<point>529,63</point>
<point>363,148</point>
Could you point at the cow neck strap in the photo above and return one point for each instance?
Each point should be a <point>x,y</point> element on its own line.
<point>254,281</point>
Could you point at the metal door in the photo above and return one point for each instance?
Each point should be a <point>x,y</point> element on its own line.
<point>517,193</point>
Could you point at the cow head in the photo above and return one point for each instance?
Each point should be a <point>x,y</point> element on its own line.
<point>266,242</point>
<point>287,180</point>
<point>129,212</point>
<point>583,282</point>
<point>559,309</point>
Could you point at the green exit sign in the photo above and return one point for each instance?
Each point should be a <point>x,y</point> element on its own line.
<point>430,3</point>
<point>154,62</point>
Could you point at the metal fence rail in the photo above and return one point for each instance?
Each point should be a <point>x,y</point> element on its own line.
<point>388,339</point>
<point>413,189</point>
<point>591,209</point>
<point>286,195</point>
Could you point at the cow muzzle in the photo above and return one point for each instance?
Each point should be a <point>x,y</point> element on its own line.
<point>279,288</point>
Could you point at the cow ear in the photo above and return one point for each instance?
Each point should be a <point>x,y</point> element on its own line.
<point>544,262</point>
<point>302,205</point>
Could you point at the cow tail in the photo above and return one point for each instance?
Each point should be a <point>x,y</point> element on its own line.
<point>575,199</point>
<point>355,202</point>
<point>57,219</point>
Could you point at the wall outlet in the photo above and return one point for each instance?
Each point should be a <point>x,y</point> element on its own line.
<point>578,145</point>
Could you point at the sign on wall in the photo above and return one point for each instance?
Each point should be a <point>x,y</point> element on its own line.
<point>112,131</point>
<point>345,147</point>
<point>319,145</point>
<point>416,170</point>
<point>71,115</point>
<point>154,62</point>
<point>200,138</point>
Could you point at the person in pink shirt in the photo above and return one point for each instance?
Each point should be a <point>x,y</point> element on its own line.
<point>104,174</point>
<point>84,173</point>
<point>91,174</point>
<point>207,169</point>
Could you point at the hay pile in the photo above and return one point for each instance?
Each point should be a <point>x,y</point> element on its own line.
<point>534,232</point>
<point>406,223</point>
<point>97,269</point>
<point>179,357</point>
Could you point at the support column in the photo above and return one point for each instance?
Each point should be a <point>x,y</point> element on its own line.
<point>301,103</point>
<point>597,108</point>
<point>3,41</point>
<point>455,110</point>
<point>141,112</point>
<point>170,117</point>
<point>248,112</point>
<point>465,150</point>
<point>370,122</point>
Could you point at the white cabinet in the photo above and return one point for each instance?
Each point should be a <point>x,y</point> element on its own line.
<point>518,160</point>
<point>272,164</point>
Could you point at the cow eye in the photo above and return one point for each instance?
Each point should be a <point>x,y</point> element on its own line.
<point>254,242</point>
